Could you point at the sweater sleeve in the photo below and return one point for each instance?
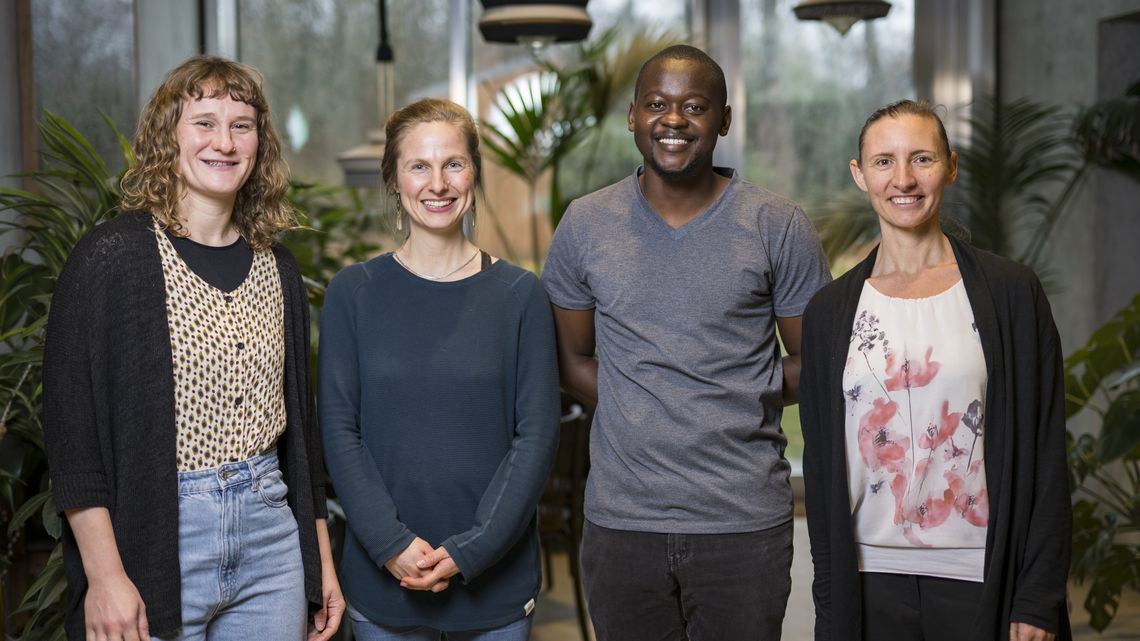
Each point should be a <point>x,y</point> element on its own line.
<point>312,432</point>
<point>812,416</point>
<point>1039,593</point>
<point>369,508</point>
<point>508,504</point>
<point>71,435</point>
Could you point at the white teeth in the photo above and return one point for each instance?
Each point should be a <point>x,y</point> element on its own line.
<point>437,203</point>
<point>219,163</point>
<point>672,141</point>
<point>904,200</point>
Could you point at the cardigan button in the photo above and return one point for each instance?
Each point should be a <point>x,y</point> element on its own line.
<point>229,299</point>
<point>237,401</point>
<point>240,345</point>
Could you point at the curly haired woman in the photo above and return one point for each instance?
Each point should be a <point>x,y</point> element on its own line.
<point>177,406</point>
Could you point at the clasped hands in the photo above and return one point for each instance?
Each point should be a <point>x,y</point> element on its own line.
<point>421,567</point>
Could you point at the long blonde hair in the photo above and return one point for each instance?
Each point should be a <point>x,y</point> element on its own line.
<point>153,184</point>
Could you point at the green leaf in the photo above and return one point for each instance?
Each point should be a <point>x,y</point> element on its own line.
<point>50,517</point>
<point>1121,431</point>
<point>27,510</point>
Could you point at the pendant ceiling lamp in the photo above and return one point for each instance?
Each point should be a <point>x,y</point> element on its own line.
<point>841,15</point>
<point>535,23</point>
<point>361,164</point>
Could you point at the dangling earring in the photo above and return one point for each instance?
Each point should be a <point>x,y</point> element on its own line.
<point>399,213</point>
<point>472,216</point>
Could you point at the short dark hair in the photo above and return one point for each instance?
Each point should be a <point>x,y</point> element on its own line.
<point>691,54</point>
<point>922,109</point>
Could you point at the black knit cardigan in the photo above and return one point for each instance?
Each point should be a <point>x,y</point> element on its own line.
<point>1028,541</point>
<point>108,395</point>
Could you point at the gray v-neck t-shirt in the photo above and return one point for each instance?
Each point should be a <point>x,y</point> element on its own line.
<point>686,437</point>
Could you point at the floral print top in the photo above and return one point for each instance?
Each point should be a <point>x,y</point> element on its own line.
<point>914,385</point>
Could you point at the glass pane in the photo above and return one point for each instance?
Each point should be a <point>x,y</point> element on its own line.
<point>83,62</point>
<point>810,89</point>
<point>319,62</point>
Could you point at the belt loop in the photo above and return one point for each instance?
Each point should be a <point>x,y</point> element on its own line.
<point>253,475</point>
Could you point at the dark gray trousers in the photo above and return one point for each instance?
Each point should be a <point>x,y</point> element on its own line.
<point>644,586</point>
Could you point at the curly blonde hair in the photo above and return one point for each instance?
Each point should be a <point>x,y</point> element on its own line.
<point>153,184</point>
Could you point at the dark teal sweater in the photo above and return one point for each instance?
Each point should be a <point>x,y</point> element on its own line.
<point>439,411</point>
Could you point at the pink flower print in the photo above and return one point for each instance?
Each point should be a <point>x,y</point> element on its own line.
<point>880,447</point>
<point>932,511</point>
<point>913,539</point>
<point>970,496</point>
<point>953,451</point>
<point>898,489</point>
<point>938,434</point>
<point>910,373</point>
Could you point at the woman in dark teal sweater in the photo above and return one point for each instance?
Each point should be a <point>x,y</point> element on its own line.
<point>439,405</point>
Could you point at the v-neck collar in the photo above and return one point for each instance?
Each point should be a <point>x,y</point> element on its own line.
<point>644,208</point>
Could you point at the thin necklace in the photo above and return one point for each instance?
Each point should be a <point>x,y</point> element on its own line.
<point>425,276</point>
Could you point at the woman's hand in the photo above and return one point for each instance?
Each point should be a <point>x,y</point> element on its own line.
<point>438,567</point>
<point>405,563</point>
<point>326,620</point>
<point>1026,632</point>
<point>114,610</point>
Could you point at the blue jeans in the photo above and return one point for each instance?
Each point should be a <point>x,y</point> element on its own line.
<point>366,630</point>
<point>646,586</point>
<point>239,554</point>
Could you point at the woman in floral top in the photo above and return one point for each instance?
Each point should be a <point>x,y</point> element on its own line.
<point>934,438</point>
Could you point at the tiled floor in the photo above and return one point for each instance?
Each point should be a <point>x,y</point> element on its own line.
<point>555,618</point>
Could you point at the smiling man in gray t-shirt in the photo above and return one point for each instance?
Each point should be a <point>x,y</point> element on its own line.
<point>679,277</point>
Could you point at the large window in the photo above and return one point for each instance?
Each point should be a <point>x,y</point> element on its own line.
<point>83,63</point>
<point>319,62</point>
<point>810,89</point>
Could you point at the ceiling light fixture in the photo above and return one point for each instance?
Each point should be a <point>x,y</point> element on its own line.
<point>534,23</point>
<point>841,15</point>
<point>361,165</point>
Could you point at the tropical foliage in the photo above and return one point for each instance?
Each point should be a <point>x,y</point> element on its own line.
<point>1103,377</point>
<point>75,192</point>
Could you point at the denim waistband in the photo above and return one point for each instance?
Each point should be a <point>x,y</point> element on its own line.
<point>227,475</point>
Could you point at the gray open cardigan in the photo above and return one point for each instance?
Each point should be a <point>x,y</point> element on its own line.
<point>109,413</point>
<point>1028,541</point>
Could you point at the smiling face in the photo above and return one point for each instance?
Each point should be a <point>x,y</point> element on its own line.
<point>676,116</point>
<point>217,148</point>
<point>904,169</point>
<point>435,176</point>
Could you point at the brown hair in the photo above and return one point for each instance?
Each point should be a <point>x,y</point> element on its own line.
<point>153,184</point>
<point>922,109</point>
<point>424,111</point>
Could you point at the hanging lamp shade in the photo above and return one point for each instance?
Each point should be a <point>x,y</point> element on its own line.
<point>841,15</point>
<point>534,22</point>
